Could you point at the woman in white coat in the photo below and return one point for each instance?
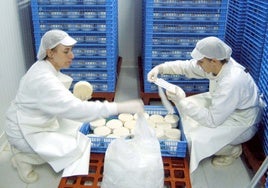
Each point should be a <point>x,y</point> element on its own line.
<point>218,121</point>
<point>39,127</point>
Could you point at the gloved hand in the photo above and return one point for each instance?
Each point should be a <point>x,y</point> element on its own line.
<point>83,90</point>
<point>177,96</point>
<point>131,106</point>
<point>152,75</point>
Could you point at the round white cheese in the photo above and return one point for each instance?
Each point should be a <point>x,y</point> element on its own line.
<point>124,117</point>
<point>130,124</point>
<point>156,118</point>
<point>102,131</point>
<point>97,123</point>
<point>121,131</point>
<point>114,123</point>
<point>83,90</point>
<point>173,119</point>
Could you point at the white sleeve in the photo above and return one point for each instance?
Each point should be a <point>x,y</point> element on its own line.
<point>189,68</point>
<point>55,99</point>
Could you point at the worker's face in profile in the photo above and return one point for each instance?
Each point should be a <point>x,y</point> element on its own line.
<point>205,64</point>
<point>61,56</point>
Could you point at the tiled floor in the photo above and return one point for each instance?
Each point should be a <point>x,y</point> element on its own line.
<point>207,176</point>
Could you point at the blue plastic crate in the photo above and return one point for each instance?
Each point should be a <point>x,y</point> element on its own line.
<point>254,34</point>
<point>252,46</point>
<point>260,7</point>
<point>259,24</point>
<point>237,3</point>
<point>168,147</point>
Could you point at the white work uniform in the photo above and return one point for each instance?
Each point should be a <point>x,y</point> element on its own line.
<point>39,117</point>
<point>224,115</point>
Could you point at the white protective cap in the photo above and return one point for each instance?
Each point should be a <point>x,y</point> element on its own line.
<point>51,39</point>
<point>212,48</point>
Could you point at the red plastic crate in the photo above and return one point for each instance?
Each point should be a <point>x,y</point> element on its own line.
<point>176,174</point>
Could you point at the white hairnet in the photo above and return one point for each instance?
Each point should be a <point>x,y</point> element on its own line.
<point>51,39</point>
<point>212,48</point>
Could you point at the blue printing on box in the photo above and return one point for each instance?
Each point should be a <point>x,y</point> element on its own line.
<point>39,11</point>
<point>89,74</point>
<point>61,11</point>
<point>73,12</point>
<point>187,4</point>
<point>75,2</point>
<point>188,86</point>
<point>151,21</point>
<point>187,29</point>
<point>94,64</point>
<point>82,26</point>
<point>200,15</point>
<point>168,147</point>
<point>168,52</point>
<point>100,86</point>
<point>183,39</point>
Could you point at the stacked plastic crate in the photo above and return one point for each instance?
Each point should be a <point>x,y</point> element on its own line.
<point>235,25</point>
<point>254,36</point>
<point>93,23</point>
<point>263,85</point>
<point>171,29</point>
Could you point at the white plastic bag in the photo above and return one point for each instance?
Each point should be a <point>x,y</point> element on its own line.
<point>134,163</point>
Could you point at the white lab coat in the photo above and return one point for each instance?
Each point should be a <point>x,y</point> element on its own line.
<point>214,119</point>
<point>39,119</point>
